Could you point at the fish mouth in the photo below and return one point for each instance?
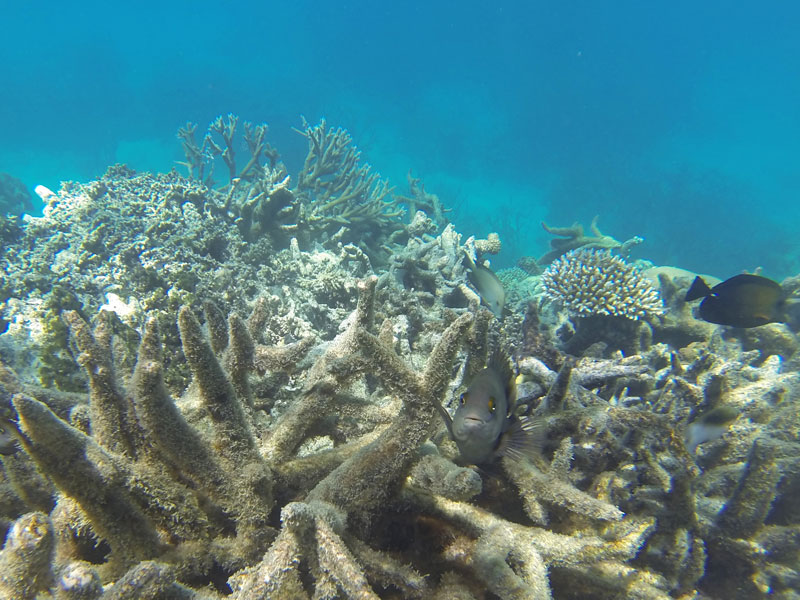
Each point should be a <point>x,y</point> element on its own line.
<point>473,419</point>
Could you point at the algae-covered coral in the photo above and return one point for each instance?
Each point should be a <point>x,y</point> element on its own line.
<point>248,405</point>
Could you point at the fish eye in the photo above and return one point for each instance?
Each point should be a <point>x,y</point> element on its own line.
<point>492,404</point>
<point>462,399</point>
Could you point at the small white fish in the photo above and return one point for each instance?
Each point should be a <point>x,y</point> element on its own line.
<point>46,194</point>
<point>709,426</point>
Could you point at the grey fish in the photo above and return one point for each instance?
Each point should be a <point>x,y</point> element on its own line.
<point>488,285</point>
<point>485,426</point>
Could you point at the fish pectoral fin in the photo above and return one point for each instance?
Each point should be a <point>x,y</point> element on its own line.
<point>523,439</point>
<point>448,420</point>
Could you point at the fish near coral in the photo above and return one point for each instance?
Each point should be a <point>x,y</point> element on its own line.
<point>8,436</point>
<point>8,443</point>
<point>741,301</point>
<point>709,426</point>
<point>484,425</point>
<point>488,285</point>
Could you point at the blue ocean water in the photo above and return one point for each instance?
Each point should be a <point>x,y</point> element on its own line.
<point>675,121</point>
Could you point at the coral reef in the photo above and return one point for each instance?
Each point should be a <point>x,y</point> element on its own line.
<point>233,391</point>
<point>179,491</point>
<point>14,196</point>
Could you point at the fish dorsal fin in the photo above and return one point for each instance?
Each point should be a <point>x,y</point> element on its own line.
<point>501,364</point>
<point>470,263</point>
<point>698,289</point>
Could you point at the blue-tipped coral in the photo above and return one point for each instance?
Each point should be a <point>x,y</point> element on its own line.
<point>606,298</point>
<point>597,282</point>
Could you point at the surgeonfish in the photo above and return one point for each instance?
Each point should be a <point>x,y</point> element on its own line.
<point>709,426</point>
<point>488,285</point>
<point>741,301</point>
<point>485,426</point>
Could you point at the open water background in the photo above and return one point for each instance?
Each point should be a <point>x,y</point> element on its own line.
<point>678,121</point>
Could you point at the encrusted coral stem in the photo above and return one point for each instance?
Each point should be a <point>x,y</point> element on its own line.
<point>25,558</point>
<point>150,579</point>
<point>234,442</point>
<point>437,370</point>
<point>240,357</point>
<point>363,481</point>
<point>61,452</point>
<point>746,511</point>
<point>112,426</point>
<point>234,437</point>
<point>164,425</point>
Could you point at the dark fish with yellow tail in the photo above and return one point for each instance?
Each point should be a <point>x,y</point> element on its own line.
<point>741,301</point>
<point>485,426</point>
<point>489,287</point>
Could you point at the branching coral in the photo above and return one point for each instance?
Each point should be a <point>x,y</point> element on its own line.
<point>154,486</point>
<point>146,469</point>
<point>573,237</point>
<point>338,198</point>
<point>298,453</point>
<point>344,200</point>
<point>420,200</point>
<point>200,157</point>
<point>717,511</point>
<point>195,480</point>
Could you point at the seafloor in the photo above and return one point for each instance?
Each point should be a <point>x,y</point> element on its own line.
<point>227,389</point>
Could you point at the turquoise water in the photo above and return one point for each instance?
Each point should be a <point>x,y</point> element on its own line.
<point>675,121</point>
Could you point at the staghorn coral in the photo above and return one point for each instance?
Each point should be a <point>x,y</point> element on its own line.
<point>143,453</point>
<point>343,199</point>
<point>724,524</point>
<point>200,158</point>
<point>420,200</point>
<point>573,237</point>
<point>191,514</point>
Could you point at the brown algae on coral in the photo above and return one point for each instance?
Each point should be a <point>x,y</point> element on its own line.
<point>254,411</point>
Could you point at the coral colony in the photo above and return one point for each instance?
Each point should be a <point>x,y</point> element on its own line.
<point>234,389</point>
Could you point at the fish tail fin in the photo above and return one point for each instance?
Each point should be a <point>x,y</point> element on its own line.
<point>698,289</point>
<point>523,439</point>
